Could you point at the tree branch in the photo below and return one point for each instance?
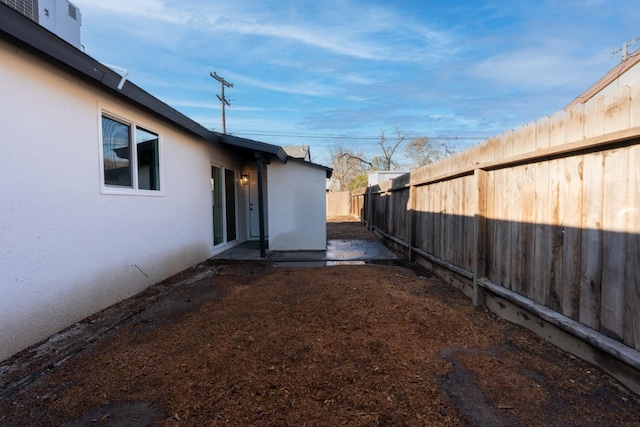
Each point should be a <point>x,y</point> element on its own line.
<point>360,159</point>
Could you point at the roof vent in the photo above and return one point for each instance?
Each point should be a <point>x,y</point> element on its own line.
<point>73,12</point>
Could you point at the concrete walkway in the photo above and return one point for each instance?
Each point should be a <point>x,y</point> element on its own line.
<point>337,252</point>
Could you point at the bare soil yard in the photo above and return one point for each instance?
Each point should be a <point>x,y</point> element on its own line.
<point>362,345</point>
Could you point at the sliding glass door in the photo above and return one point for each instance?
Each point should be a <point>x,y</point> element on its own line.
<point>223,199</point>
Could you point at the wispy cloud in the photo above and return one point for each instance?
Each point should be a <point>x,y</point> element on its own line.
<point>148,9</point>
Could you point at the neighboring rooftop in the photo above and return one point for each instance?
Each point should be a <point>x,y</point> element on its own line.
<point>298,152</point>
<point>625,73</point>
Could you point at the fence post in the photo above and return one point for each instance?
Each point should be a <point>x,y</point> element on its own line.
<point>480,252</point>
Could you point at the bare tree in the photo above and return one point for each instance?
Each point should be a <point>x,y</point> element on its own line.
<point>424,151</point>
<point>386,162</point>
<point>347,165</point>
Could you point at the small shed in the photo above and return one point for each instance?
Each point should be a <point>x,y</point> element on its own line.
<point>377,177</point>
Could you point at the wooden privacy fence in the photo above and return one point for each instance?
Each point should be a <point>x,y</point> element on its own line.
<point>338,203</point>
<point>548,214</point>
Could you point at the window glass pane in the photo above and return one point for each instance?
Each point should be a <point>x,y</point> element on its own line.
<point>147,150</point>
<point>116,152</point>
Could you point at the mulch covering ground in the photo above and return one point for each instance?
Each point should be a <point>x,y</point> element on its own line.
<point>362,345</point>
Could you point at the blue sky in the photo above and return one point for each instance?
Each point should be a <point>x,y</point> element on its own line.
<point>334,72</point>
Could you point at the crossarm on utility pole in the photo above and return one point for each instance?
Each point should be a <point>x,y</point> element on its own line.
<point>223,100</point>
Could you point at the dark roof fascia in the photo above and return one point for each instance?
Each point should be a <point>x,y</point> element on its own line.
<point>328,170</point>
<point>255,146</point>
<point>34,38</point>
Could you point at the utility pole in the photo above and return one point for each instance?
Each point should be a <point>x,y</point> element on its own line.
<point>223,100</point>
<point>624,49</point>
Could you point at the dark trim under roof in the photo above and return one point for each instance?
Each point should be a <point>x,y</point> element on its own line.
<point>23,32</point>
<point>251,146</point>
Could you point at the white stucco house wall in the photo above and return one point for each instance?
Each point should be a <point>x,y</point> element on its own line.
<point>294,206</point>
<point>106,191</point>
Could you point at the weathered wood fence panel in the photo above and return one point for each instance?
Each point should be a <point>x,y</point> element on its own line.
<point>550,211</point>
<point>338,203</point>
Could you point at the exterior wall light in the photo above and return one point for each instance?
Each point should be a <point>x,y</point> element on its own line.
<point>244,179</point>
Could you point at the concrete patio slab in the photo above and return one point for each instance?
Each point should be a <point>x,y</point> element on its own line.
<point>337,251</point>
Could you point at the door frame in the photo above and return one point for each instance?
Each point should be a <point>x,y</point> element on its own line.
<point>223,211</point>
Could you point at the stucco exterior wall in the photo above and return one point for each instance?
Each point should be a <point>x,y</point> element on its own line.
<point>629,78</point>
<point>297,207</point>
<point>67,250</point>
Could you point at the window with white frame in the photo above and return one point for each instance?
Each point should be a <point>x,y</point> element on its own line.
<point>130,156</point>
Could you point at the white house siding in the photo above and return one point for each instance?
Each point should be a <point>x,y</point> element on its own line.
<point>297,206</point>
<point>66,249</point>
<point>629,78</point>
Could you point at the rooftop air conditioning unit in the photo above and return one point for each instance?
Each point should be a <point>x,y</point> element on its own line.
<point>61,18</point>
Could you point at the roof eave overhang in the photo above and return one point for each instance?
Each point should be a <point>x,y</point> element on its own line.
<point>250,146</point>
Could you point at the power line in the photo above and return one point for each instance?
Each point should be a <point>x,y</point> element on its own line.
<point>346,137</point>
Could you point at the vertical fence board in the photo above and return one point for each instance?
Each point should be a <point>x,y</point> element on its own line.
<point>449,189</point>
<point>575,123</point>
<point>479,242</point>
<point>427,201</point>
<point>517,228</point>
<point>506,227</point>
<point>572,223</point>
<point>558,129</point>
<point>406,212</point>
<point>471,211</point>
<point>447,222</point>
<point>632,262</point>
<point>595,109</point>
<point>494,240</point>
<point>455,248</point>
<point>439,229</point>
<point>460,229</point>
<point>519,140</point>
<point>542,248</point>
<point>556,174</point>
<point>634,106</point>
<point>413,232</point>
<point>592,237</point>
<point>614,244</point>
<point>528,229</point>
<point>617,109</point>
<point>529,141</point>
<point>543,132</point>
<point>486,151</point>
<point>507,150</point>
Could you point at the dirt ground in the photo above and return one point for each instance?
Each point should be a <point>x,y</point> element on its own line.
<point>357,345</point>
